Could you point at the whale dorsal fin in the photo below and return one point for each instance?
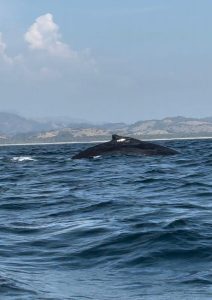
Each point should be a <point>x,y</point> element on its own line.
<point>116,137</point>
<point>123,139</point>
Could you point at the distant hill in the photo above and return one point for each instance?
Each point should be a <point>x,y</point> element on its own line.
<point>17,129</point>
<point>11,124</point>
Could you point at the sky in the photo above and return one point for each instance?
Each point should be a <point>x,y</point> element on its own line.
<point>106,61</point>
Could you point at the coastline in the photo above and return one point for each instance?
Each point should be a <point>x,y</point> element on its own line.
<point>103,141</point>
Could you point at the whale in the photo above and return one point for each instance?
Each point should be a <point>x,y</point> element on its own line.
<point>122,145</point>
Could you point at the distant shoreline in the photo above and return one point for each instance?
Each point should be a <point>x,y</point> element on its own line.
<point>103,141</point>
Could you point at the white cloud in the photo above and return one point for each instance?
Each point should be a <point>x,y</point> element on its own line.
<point>47,58</point>
<point>44,34</point>
<point>3,53</point>
<point>2,45</point>
<point>50,56</point>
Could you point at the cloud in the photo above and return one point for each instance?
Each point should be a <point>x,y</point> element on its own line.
<point>44,34</point>
<point>3,53</point>
<point>47,58</point>
<point>2,45</point>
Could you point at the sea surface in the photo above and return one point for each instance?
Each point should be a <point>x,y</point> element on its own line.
<point>124,227</point>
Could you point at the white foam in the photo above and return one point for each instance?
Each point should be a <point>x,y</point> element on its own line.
<point>96,157</point>
<point>22,158</point>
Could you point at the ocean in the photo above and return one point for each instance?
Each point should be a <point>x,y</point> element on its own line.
<point>127,227</point>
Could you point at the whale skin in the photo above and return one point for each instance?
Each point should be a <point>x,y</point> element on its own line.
<point>120,145</point>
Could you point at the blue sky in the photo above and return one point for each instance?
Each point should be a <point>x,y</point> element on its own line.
<point>114,60</point>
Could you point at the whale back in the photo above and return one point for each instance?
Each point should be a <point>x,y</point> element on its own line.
<point>124,145</point>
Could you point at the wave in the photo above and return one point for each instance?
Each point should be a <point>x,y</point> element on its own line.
<point>140,225</point>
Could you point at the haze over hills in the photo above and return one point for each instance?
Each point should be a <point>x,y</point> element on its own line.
<point>17,129</point>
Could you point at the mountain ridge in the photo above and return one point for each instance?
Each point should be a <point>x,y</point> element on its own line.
<point>17,129</point>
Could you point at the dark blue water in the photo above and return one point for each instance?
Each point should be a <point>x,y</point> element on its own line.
<point>112,228</point>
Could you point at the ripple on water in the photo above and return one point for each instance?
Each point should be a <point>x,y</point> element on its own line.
<point>109,228</point>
